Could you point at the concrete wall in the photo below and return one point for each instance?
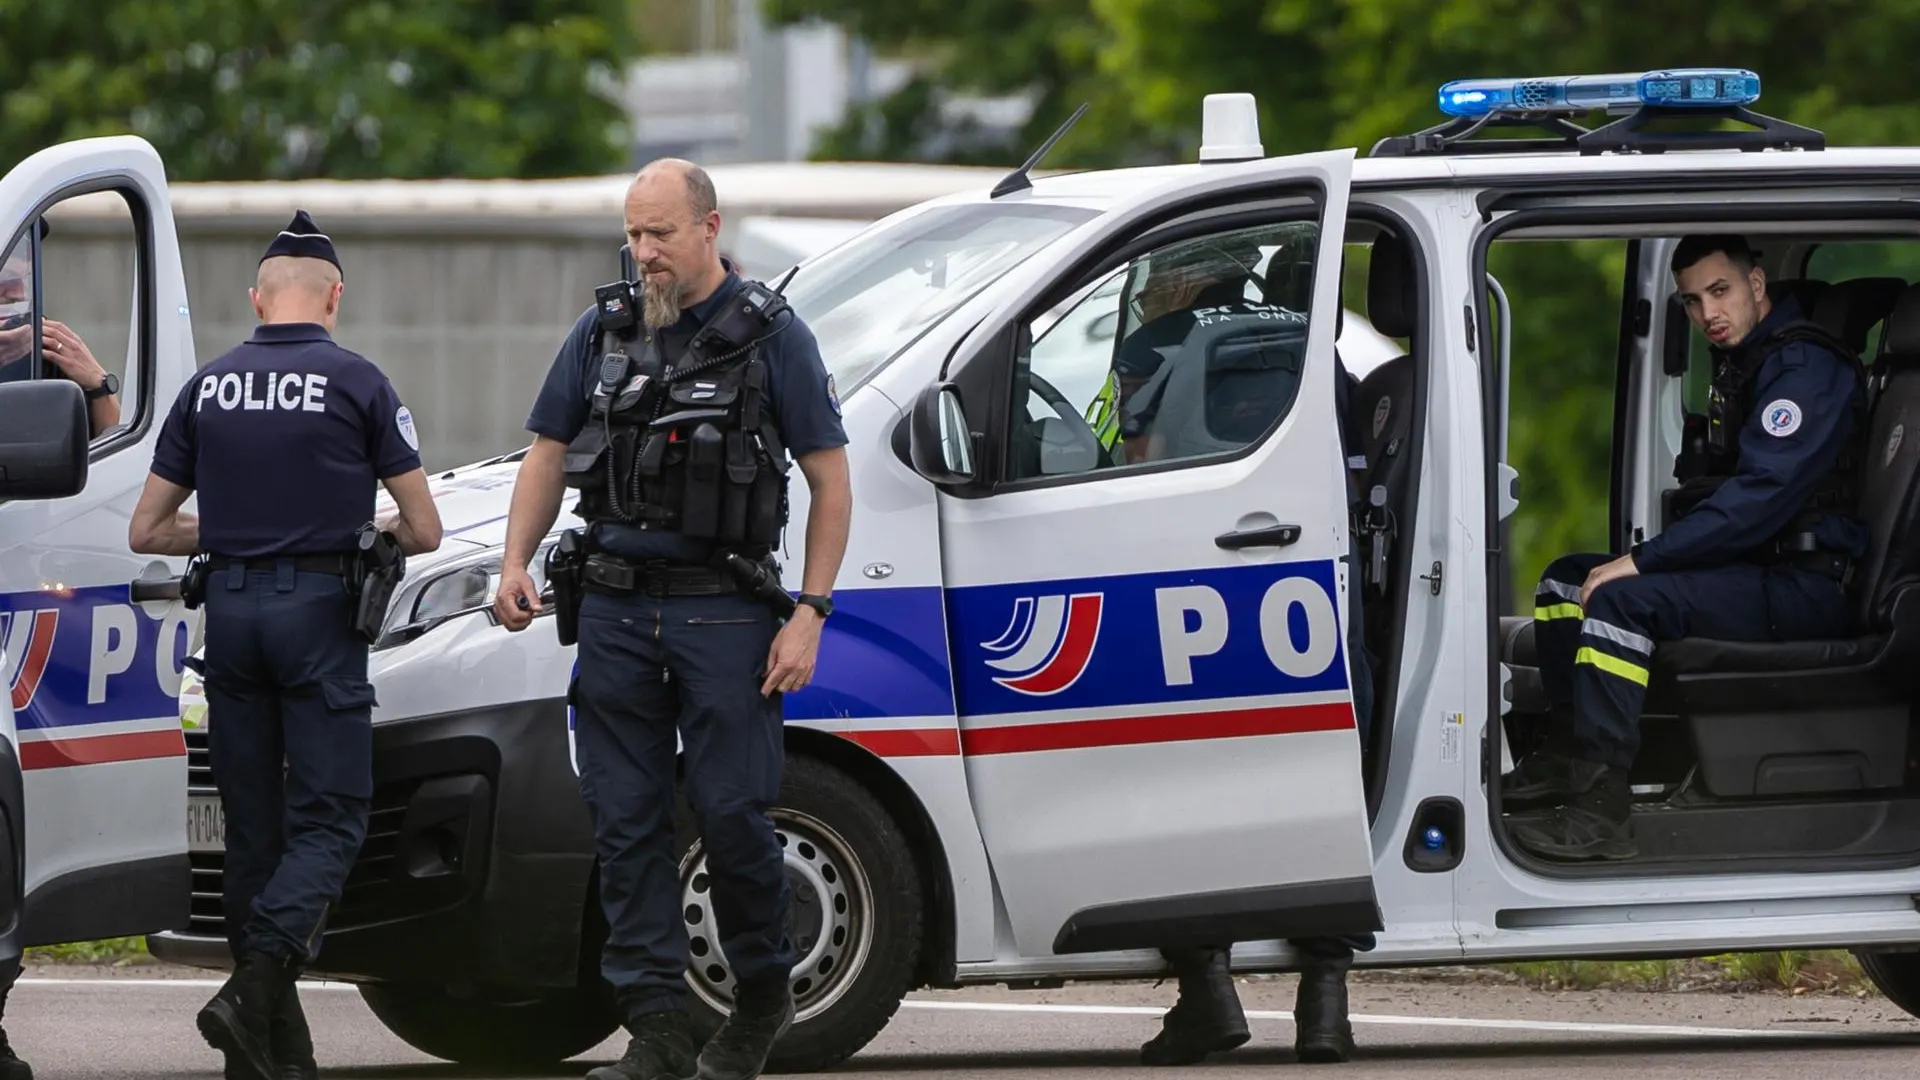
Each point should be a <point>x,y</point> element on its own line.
<point>461,291</point>
<point>465,326</point>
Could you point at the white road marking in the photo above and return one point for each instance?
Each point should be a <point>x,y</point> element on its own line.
<point>1564,1026</point>
<point>1404,1021</point>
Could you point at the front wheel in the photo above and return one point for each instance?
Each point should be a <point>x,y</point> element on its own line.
<point>1896,974</point>
<point>855,919</point>
<point>538,1030</point>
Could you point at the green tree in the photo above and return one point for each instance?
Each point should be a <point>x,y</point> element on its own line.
<point>1349,72</point>
<point>284,89</point>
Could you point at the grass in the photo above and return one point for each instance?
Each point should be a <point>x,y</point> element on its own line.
<point>1792,972</point>
<point>116,951</point>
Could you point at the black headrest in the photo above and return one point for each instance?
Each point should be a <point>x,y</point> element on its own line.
<point>1903,325</point>
<point>1851,308</point>
<point>1806,290</point>
<point>1390,296</point>
<point>1222,292</point>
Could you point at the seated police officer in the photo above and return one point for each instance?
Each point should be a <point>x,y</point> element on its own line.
<point>676,432</point>
<point>285,439</point>
<point>1766,532</point>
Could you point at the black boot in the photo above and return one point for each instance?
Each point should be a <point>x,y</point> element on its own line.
<point>11,1067</point>
<point>1206,1018</point>
<point>738,1051</point>
<point>1595,824</point>
<point>1544,778</point>
<point>238,1021</point>
<point>289,1039</point>
<point>661,1048</point>
<point>1321,1030</point>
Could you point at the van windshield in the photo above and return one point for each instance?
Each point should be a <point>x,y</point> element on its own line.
<point>874,295</point>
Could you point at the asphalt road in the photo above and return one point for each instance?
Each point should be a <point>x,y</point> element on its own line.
<point>83,1023</point>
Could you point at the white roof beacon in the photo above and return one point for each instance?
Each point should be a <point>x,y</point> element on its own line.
<point>1230,128</point>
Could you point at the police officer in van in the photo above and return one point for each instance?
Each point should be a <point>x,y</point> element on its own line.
<point>1768,526</point>
<point>285,439</point>
<point>675,427</point>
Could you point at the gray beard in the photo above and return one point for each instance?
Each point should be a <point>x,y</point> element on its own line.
<point>660,304</point>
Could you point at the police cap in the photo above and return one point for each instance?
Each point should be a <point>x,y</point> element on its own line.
<point>302,239</point>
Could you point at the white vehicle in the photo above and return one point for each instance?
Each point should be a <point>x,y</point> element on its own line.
<point>1068,713</point>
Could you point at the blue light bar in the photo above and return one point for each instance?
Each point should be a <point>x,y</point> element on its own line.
<point>1679,87</point>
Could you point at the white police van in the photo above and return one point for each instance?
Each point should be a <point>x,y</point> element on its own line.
<point>1072,705</point>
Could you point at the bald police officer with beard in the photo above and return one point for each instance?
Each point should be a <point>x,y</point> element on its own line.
<point>285,438</point>
<point>676,427</point>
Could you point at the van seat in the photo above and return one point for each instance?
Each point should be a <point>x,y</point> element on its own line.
<point>1772,718</point>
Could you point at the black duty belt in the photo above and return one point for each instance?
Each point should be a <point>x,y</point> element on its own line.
<point>338,563</point>
<point>610,574</point>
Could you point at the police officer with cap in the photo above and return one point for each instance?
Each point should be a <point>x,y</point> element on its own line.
<point>676,428</point>
<point>285,439</point>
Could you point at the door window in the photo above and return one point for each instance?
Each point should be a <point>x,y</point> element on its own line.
<point>1190,351</point>
<point>69,308</point>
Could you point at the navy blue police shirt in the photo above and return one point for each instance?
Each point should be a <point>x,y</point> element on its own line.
<point>1803,415</point>
<point>800,395</point>
<point>285,437</point>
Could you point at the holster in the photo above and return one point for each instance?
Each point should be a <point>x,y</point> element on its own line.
<point>379,565</point>
<point>566,561</point>
<point>760,580</point>
<point>193,583</point>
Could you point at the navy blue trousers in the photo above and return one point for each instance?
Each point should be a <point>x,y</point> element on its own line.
<point>290,738</point>
<point>692,664</point>
<point>1597,659</point>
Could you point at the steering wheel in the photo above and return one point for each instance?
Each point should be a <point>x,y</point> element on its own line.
<point>1077,425</point>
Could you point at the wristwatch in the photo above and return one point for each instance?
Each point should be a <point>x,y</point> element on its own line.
<point>821,604</point>
<point>108,385</point>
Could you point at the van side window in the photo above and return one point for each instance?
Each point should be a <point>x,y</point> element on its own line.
<point>89,310</point>
<point>1189,351</point>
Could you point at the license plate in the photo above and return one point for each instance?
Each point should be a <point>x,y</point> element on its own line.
<point>206,824</point>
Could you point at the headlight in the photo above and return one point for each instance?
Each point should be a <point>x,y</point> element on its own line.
<point>462,587</point>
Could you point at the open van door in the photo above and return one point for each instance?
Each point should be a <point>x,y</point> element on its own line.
<point>94,776</point>
<point>1142,534</point>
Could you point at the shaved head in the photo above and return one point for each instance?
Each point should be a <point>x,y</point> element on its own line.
<point>673,231</point>
<point>289,289</point>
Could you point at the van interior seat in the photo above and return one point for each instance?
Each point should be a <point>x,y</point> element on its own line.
<point>1383,402</point>
<point>1814,716</point>
<point>1851,309</point>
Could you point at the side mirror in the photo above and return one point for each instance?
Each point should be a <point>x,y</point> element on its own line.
<point>43,439</point>
<point>939,441</point>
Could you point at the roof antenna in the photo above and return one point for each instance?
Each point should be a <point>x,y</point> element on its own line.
<point>1017,179</point>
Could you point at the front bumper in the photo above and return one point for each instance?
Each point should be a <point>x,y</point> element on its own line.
<point>476,866</point>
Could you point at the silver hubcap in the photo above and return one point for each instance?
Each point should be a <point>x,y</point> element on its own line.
<point>829,918</point>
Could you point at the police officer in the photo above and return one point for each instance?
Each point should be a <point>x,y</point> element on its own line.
<point>1207,1016</point>
<point>675,427</point>
<point>65,352</point>
<point>285,438</point>
<point>1767,531</point>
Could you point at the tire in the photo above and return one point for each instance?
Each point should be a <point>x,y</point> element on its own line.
<point>539,1030</point>
<point>839,843</point>
<point>1897,974</point>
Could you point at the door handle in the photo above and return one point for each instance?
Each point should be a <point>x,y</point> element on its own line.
<point>155,589</point>
<point>1268,536</point>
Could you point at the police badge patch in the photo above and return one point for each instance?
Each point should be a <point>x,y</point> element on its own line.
<point>833,395</point>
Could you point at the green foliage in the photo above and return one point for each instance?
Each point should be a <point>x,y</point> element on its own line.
<point>127,950</point>
<point>1349,72</point>
<point>278,89</point>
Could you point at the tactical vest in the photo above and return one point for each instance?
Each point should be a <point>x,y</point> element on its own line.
<point>1731,400</point>
<point>688,445</point>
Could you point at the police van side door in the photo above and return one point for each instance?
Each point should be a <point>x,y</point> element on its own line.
<point>93,634</point>
<point>1156,710</point>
